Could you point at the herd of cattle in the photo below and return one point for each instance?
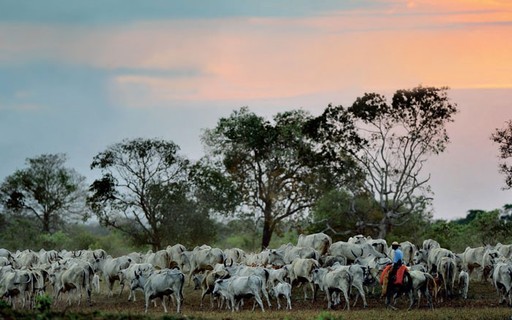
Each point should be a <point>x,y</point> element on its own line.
<point>341,269</point>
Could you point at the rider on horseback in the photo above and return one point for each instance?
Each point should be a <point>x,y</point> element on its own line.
<point>397,259</point>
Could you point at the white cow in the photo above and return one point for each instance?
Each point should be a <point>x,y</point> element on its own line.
<point>110,268</point>
<point>502,280</point>
<point>75,278</point>
<point>464,283</point>
<point>127,275</point>
<point>331,281</point>
<point>282,289</point>
<point>318,241</point>
<point>236,288</point>
<point>165,282</point>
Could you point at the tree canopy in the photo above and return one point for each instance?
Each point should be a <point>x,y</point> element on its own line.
<point>390,142</point>
<point>145,191</point>
<point>275,168</point>
<point>47,191</point>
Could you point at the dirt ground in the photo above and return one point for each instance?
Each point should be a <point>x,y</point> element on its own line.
<point>481,295</point>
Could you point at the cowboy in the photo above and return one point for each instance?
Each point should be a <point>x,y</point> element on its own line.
<point>397,259</point>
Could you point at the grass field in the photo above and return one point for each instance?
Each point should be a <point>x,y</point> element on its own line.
<point>482,303</point>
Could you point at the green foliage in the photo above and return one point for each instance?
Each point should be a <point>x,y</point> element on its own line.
<point>503,137</point>
<point>47,191</point>
<point>275,167</point>
<point>43,303</point>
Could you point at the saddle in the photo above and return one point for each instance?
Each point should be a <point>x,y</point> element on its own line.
<point>399,277</point>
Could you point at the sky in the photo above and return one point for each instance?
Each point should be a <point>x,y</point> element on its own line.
<point>79,76</point>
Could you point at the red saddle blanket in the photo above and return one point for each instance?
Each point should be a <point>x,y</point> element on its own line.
<point>399,274</point>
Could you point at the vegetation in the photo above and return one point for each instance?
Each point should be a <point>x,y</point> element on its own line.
<point>45,190</point>
<point>261,183</point>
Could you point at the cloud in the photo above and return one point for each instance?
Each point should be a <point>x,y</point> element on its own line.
<point>382,47</point>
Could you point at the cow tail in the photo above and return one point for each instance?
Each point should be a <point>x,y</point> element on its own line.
<point>431,279</point>
<point>411,255</point>
<point>349,279</point>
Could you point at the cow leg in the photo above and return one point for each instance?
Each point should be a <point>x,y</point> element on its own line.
<point>260,302</point>
<point>363,296</point>
<point>288,303</point>
<point>347,300</point>
<point>163,303</point>
<point>278,304</point>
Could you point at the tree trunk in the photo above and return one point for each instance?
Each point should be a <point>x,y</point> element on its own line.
<point>267,234</point>
<point>46,222</point>
<point>383,227</point>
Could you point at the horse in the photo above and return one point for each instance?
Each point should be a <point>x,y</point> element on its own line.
<point>413,281</point>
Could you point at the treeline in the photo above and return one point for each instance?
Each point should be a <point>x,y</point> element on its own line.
<point>355,170</point>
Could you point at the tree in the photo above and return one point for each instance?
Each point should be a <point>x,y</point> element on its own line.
<point>504,138</point>
<point>276,171</point>
<point>393,141</point>
<point>143,191</point>
<point>46,190</point>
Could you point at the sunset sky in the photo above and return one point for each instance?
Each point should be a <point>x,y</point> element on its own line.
<point>78,76</point>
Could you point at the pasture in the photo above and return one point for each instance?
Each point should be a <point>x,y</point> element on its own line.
<point>482,303</point>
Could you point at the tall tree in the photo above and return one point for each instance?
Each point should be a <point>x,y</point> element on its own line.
<point>143,190</point>
<point>276,170</point>
<point>46,190</point>
<point>396,140</point>
<point>503,137</point>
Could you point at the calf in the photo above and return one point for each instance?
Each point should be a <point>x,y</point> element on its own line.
<point>283,289</point>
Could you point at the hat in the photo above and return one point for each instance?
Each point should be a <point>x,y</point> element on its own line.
<point>395,243</point>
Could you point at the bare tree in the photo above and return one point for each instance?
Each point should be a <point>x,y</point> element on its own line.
<point>394,141</point>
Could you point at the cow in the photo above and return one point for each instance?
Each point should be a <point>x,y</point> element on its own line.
<point>328,261</point>
<point>286,254</point>
<point>352,251</point>
<point>161,283</point>
<point>159,259</point>
<point>206,282</point>
<point>505,250</point>
<point>429,244</point>
<point>446,270</point>
<point>333,280</point>
<point>318,241</point>
<point>27,259</point>
<point>360,276</point>
<point>472,258</point>
<point>110,268</point>
<point>236,288</point>
<point>434,256</point>
<point>235,255</point>
<point>282,289</point>
<point>463,284</point>
<point>128,274</point>
<point>300,271</point>
<point>176,259</point>
<point>16,283</point>
<point>75,278</point>
<point>278,275</point>
<point>243,270</point>
<point>203,258</point>
<point>502,280</point>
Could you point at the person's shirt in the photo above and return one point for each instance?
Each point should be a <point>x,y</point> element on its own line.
<point>398,256</point>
